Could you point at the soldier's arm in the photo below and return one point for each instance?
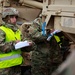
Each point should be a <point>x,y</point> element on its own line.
<point>5,46</point>
<point>38,37</point>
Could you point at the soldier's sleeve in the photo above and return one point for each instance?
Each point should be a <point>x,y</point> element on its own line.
<point>29,48</point>
<point>5,46</point>
<point>38,37</point>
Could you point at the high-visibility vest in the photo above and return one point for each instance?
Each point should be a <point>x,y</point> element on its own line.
<point>14,57</point>
<point>58,39</point>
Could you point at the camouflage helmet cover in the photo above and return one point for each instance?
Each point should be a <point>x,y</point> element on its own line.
<point>9,11</point>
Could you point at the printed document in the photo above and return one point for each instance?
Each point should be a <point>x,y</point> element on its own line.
<point>21,44</point>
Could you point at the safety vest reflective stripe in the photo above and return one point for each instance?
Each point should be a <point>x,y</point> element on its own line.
<point>10,57</point>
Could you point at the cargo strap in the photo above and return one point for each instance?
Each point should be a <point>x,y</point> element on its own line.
<point>43,29</point>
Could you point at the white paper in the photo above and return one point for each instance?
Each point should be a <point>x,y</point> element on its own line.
<point>56,31</point>
<point>21,44</point>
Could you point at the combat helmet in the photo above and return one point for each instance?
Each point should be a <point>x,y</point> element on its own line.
<point>9,11</point>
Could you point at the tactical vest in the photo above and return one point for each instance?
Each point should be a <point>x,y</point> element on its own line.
<point>12,58</point>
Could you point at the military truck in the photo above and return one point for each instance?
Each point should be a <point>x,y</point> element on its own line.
<point>60,14</point>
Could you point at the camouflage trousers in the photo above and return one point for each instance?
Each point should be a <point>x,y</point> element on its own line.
<point>11,71</point>
<point>42,65</point>
<point>46,58</point>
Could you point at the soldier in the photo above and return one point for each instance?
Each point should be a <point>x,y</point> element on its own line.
<point>47,56</point>
<point>26,52</point>
<point>10,59</point>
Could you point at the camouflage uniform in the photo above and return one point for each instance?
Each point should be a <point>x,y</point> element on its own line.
<point>26,52</point>
<point>46,57</point>
<point>5,48</point>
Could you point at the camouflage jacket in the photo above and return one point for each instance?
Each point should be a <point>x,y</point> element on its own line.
<point>6,46</point>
